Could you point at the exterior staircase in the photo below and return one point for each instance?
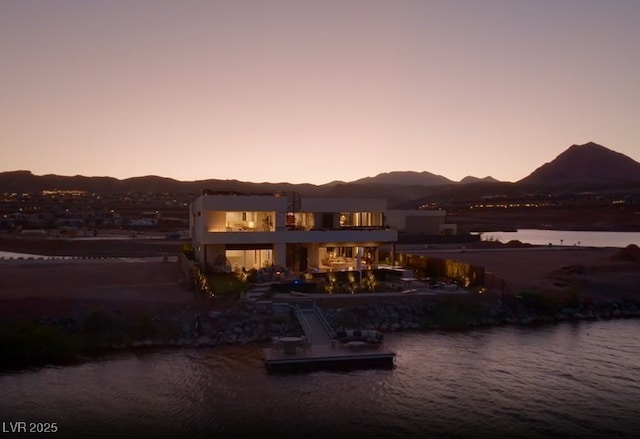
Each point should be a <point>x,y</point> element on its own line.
<point>313,322</point>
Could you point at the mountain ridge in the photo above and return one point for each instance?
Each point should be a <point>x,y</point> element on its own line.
<point>580,167</point>
<point>424,178</point>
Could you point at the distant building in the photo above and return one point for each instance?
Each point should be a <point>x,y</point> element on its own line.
<point>143,222</point>
<point>69,222</point>
<point>419,222</point>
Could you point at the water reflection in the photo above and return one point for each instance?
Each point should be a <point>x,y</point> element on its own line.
<point>564,381</point>
<point>566,238</point>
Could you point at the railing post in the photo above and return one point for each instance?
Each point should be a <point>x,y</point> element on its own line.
<point>303,321</point>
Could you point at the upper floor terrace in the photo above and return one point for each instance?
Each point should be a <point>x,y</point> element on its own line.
<point>217,218</point>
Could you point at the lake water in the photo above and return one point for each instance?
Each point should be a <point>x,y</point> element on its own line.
<point>566,237</point>
<point>577,380</point>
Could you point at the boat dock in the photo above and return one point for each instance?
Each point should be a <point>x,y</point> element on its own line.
<point>318,348</point>
<point>328,357</point>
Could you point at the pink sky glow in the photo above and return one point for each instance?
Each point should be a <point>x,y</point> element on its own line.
<point>313,91</point>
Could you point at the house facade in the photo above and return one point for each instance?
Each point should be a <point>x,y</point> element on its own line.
<point>232,231</point>
<point>420,222</point>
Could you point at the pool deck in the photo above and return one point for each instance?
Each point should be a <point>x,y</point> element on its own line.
<point>327,356</point>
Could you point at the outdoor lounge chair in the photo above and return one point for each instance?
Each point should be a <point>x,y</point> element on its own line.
<point>341,336</point>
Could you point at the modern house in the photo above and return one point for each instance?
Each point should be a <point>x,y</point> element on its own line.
<point>232,231</point>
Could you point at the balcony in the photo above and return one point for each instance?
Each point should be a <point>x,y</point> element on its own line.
<point>328,236</point>
<point>370,234</point>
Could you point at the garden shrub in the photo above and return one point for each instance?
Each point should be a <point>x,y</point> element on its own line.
<point>26,343</point>
<point>540,301</point>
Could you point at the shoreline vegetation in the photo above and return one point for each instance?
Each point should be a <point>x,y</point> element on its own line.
<point>61,312</point>
<point>67,339</point>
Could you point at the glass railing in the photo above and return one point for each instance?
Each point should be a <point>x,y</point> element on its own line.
<point>237,229</point>
<point>292,228</point>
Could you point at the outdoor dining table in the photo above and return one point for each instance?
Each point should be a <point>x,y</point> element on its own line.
<point>290,344</point>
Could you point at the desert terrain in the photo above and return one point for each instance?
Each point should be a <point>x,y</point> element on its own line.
<point>49,287</point>
<point>599,272</point>
<point>604,217</point>
<point>54,288</point>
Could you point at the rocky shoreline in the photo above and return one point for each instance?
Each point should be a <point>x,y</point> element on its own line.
<point>257,322</point>
<point>97,305</point>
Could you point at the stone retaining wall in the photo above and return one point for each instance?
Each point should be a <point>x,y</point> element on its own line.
<point>257,322</point>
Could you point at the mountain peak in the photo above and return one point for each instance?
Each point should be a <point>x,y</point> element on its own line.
<point>591,164</point>
<point>415,178</point>
<point>471,179</point>
<point>592,146</point>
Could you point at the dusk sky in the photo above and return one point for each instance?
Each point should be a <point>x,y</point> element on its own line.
<point>314,91</point>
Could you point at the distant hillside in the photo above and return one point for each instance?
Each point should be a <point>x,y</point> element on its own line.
<point>405,178</point>
<point>586,166</point>
<point>470,179</point>
<point>413,178</point>
<point>579,168</point>
<point>461,193</point>
<point>25,181</point>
